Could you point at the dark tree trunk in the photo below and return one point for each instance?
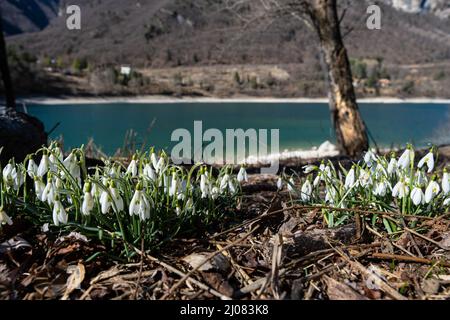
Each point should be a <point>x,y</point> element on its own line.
<point>4,70</point>
<point>350,129</point>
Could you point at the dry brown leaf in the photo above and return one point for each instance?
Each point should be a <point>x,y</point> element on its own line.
<point>219,262</point>
<point>75,279</point>
<point>340,291</point>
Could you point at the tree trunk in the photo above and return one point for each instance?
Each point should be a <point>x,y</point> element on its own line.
<point>4,70</point>
<point>350,129</point>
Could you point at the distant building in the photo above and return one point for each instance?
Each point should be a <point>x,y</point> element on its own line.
<point>384,83</point>
<point>125,70</point>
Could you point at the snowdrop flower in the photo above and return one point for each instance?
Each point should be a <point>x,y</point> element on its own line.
<point>153,159</point>
<point>306,191</point>
<point>400,190</point>
<point>111,200</point>
<point>49,192</point>
<point>160,165</point>
<point>242,175</point>
<point>173,185</point>
<point>4,218</point>
<point>224,182</point>
<point>406,158</point>
<point>350,179</point>
<point>280,183</point>
<point>43,166</point>
<point>39,187</point>
<point>140,205</point>
<point>447,202</point>
<point>32,168</point>
<point>392,166</point>
<point>428,160</point>
<point>364,178</point>
<point>204,187</point>
<point>417,196</point>
<point>133,168</point>
<point>231,186</point>
<point>381,188</point>
<point>432,190</point>
<point>59,213</point>
<point>309,168</point>
<point>369,158</point>
<point>9,174</point>
<point>149,172</point>
<point>88,201</point>
<point>446,182</point>
<point>317,180</point>
<point>215,192</point>
<point>330,195</point>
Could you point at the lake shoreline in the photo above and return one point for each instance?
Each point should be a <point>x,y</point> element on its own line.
<point>168,99</point>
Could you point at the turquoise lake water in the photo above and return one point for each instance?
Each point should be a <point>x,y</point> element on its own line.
<point>301,125</point>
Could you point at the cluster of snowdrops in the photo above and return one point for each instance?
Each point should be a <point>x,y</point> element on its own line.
<point>151,199</point>
<point>378,183</point>
<point>148,199</point>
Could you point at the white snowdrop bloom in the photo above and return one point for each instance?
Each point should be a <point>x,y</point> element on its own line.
<point>231,187</point>
<point>12,177</point>
<point>406,159</point>
<point>140,206</point>
<point>39,187</point>
<point>392,166</point>
<point>364,179</point>
<point>280,183</point>
<point>70,161</point>
<point>173,185</point>
<point>381,188</point>
<point>417,196</point>
<point>154,160</point>
<point>204,186</point>
<point>88,204</point>
<point>43,166</point>
<point>178,210</point>
<point>309,168</point>
<point>59,214</point>
<point>446,183</point>
<point>114,201</point>
<point>370,158</point>
<point>421,179</point>
<point>317,180</point>
<point>306,191</point>
<point>242,175</point>
<point>291,185</point>
<point>132,168</point>
<point>215,192</point>
<point>224,182</point>
<point>160,165</point>
<point>350,179</point>
<point>400,190</point>
<point>49,193</point>
<point>149,172</point>
<point>428,160</point>
<point>447,202</point>
<point>4,218</point>
<point>8,174</point>
<point>105,202</point>
<point>432,191</point>
<point>330,195</point>
<point>88,200</point>
<point>32,168</point>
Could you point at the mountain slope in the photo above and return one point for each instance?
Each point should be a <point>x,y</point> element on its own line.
<point>21,16</point>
